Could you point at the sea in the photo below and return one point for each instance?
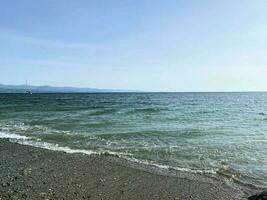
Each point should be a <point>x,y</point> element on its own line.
<point>224,134</point>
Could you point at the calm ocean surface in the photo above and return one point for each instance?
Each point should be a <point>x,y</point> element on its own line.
<point>217,133</point>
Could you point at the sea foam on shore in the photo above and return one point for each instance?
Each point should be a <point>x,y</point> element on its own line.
<point>30,172</point>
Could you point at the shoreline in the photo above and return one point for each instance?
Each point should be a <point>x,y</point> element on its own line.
<point>28,172</point>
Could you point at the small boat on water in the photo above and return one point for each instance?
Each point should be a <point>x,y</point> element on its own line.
<point>28,92</point>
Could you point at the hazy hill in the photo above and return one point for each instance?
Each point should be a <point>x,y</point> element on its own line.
<point>51,89</point>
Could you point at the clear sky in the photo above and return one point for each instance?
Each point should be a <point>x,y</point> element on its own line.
<point>159,45</point>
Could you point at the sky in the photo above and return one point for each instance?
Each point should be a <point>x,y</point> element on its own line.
<point>159,45</point>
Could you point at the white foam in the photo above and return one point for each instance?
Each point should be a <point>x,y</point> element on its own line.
<point>167,167</point>
<point>24,140</point>
<point>54,147</point>
<point>66,149</point>
<point>13,136</point>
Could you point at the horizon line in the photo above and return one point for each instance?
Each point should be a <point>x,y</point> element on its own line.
<point>128,90</point>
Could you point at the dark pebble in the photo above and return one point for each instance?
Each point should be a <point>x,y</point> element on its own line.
<point>24,195</point>
<point>261,196</point>
<point>5,184</point>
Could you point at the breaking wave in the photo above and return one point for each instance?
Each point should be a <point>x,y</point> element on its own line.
<point>36,142</point>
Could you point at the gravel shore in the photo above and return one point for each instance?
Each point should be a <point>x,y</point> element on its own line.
<point>33,173</point>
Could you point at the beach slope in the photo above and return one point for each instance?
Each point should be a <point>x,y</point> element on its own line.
<point>33,173</point>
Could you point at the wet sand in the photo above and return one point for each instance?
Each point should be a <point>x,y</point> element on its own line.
<point>33,173</point>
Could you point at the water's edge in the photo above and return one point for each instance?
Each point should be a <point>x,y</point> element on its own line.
<point>144,165</point>
<point>209,134</point>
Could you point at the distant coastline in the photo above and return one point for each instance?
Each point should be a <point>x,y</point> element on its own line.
<point>5,88</point>
<point>51,89</point>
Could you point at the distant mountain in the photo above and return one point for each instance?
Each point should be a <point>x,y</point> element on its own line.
<point>51,89</point>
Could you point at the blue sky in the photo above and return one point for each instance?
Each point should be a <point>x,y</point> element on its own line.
<point>174,45</point>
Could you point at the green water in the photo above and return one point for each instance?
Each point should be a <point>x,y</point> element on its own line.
<point>218,133</point>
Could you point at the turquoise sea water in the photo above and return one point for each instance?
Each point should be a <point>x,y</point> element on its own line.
<point>217,133</point>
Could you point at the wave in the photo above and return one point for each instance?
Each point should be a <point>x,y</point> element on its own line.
<point>168,167</point>
<point>147,110</point>
<point>100,124</point>
<point>36,142</point>
<point>23,128</point>
<point>104,111</point>
<point>13,136</point>
<point>158,134</point>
